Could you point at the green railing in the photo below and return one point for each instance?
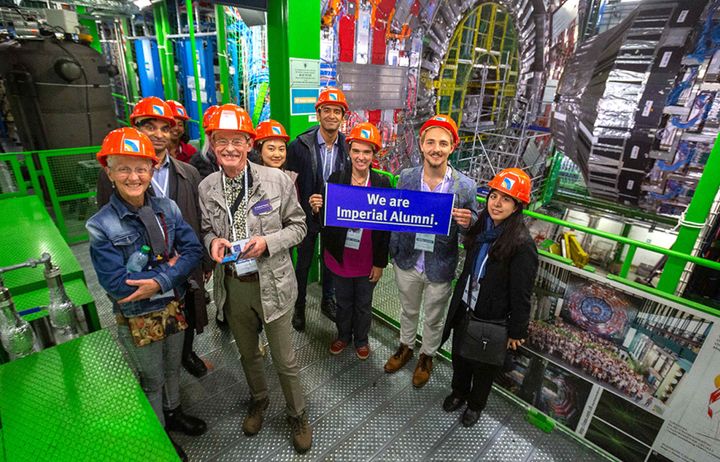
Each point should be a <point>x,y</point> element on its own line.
<point>65,179</point>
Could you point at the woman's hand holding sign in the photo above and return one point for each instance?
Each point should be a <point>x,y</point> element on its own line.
<point>316,202</point>
<point>462,217</point>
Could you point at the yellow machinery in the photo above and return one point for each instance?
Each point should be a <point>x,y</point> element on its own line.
<point>572,250</point>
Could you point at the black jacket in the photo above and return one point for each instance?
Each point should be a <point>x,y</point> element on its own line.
<point>204,166</point>
<point>183,184</point>
<point>303,157</point>
<point>333,238</point>
<point>505,290</point>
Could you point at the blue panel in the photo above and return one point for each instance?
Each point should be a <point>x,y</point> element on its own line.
<point>206,52</point>
<point>148,59</point>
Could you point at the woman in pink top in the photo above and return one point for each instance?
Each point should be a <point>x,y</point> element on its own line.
<point>355,257</point>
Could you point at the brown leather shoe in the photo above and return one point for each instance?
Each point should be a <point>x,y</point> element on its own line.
<point>399,359</point>
<point>254,418</point>
<point>301,433</point>
<point>422,370</point>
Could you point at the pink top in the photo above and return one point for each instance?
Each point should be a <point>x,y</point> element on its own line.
<point>356,263</point>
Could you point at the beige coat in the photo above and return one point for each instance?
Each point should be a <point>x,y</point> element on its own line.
<point>283,227</point>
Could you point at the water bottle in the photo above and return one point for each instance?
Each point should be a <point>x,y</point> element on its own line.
<point>61,310</point>
<point>16,334</point>
<point>137,261</point>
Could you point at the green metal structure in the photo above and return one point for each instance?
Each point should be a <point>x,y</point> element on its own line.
<point>193,50</point>
<point>78,401</point>
<point>165,49</point>
<point>222,54</point>
<point>288,22</point>
<point>695,219</point>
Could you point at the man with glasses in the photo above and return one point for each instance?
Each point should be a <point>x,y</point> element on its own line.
<point>178,181</point>
<point>250,219</point>
<point>315,155</point>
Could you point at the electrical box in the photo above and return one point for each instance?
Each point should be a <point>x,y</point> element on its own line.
<point>67,20</point>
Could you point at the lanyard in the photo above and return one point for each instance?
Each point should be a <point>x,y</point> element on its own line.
<point>227,207</point>
<point>162,189</point>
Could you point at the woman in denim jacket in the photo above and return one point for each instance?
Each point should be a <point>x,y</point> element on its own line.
<point>146,302</point>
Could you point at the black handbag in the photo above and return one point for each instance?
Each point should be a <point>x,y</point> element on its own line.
<point>484,341</point>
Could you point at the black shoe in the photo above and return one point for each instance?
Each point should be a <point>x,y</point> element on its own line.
<point>194,365</point>
<point>221,322</point>
<point>298,319</point>
<point>177,421</point>
<point>328,308</point>
<point>452,403</point>
<point>178,449</point>
<point>470,417</point>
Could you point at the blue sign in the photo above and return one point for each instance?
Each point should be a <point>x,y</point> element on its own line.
<point>388,209</point>
<point>302,100</point>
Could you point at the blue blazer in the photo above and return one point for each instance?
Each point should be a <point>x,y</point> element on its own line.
<point>440,264</point>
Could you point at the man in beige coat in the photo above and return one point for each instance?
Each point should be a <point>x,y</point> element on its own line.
<point>252,212</point>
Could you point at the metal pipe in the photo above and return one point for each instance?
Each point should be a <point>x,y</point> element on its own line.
<point>196,67</point>
<point>222,53</point>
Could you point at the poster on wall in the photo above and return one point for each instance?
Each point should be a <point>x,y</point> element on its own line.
<point>635,374</point>
<point>691,431</point>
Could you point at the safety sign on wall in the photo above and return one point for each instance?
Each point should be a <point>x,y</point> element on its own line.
<point>304,73</point>
<point>302,100</point>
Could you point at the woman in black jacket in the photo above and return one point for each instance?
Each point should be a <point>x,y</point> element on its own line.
<point>496,284</point>
<point>355,257</point>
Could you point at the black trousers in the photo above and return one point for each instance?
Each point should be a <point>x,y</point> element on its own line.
<point>354,308</point>
<point>472,380</point>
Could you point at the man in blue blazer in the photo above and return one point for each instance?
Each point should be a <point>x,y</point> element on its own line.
<point>425,264</point>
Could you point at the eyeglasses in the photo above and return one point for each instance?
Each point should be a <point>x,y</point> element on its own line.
<point>237,142</point>
<point>126,171</point>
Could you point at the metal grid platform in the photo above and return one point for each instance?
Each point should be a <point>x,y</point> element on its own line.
<point>358,412</point>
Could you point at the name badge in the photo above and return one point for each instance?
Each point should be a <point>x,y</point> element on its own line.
<point>425,242</point>
<point>352,241</point>
<point>243,265</point>
<point>262,207</point>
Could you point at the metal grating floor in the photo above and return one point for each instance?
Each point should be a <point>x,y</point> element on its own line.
<point>358,412</point>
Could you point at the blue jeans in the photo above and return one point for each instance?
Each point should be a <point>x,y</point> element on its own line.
<point>306,251</point>
<point>354,308</point>
<point>159,367</point>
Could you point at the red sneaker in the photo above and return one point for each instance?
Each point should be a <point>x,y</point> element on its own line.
<point>337,347</point>
<point>363,352</point>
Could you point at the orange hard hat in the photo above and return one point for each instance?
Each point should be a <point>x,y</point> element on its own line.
<point>152,107</point>
<point>208,113</point>
<point>126,141</point>
<point>442,121</point>
<point>367,133</point>
<point>270,129</point>
<point>332,95</point>
<point>230,117</point>
<point>513,182</point>
<point>178,110</point>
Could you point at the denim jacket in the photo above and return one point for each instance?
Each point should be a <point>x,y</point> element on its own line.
<point>440,264</point>
<point>116,233</point>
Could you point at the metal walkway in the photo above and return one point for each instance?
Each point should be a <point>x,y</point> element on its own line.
<point>358,412</point>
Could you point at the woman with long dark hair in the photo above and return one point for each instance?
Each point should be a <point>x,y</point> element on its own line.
<point>490,307</point>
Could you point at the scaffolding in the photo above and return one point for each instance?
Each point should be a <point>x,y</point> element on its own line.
<point>504,139</point>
